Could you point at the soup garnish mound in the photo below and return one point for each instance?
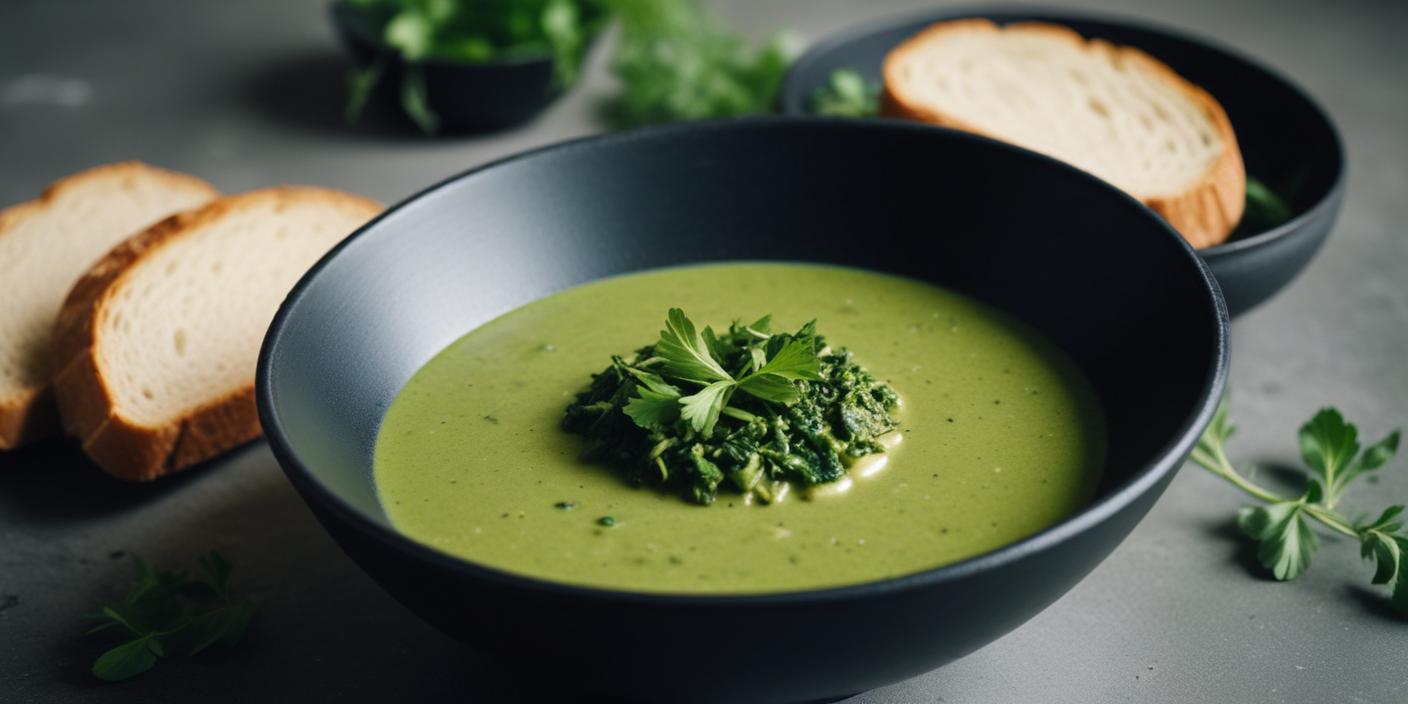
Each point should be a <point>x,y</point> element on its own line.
<point>749,411</point>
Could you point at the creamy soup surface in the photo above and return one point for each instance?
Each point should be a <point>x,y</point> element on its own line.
<point>1000,437</point>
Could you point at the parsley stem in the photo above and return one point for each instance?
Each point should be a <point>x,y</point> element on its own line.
<point>1214,459</point>
<point>1331,520</point>
<point>1218,464</point>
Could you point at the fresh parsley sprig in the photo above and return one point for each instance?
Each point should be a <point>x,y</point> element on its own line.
<point>170,613</point>
<point>692,357</point>
<point>1281,525</point>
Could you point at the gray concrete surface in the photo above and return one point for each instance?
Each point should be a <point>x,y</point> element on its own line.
<point>247,94</point>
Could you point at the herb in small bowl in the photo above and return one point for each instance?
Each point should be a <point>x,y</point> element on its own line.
<point>1281,525</point>
<point>457,64</point>
<point>846,94</point>
<point>751,411</point>
<point>169,613</point>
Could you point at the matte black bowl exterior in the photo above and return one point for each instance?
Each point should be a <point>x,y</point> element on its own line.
<point>1085,264</point>
<point>467,97</point>
<point>1286,139</point>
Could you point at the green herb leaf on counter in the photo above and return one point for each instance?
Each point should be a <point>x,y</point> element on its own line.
<point>1282,526</point>
<point>1330,447</point>
<point>1385,542</point>
<point>1286,542</point>
<point>846,94</point>
<point>756,408</point>
<point>170,613</point>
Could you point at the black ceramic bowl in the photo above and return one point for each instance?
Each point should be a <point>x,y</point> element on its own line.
<point>465,96</point>
<point>1287,140</point>
<point>1088,266</point>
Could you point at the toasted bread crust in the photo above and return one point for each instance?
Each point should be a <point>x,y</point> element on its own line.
<point>31,414</point>
<point>121,446</point>
<point>1205,213</point>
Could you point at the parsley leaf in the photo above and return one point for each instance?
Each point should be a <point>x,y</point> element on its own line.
<point>797,359</point>
<point>1375,456</point>
<point>1328,445</point>
<point>652,381</point>
<point>1264,207</point>
<point>1282,527</point>
<point>846,94</point>
<point>686,353</point>
<point>360,84</point>
<point>128,660</point>
<point>770,387</point>
<point>702,409</point>
<point>414,101</point>
<point>1287,544</point>
<point>1389,550</point>
<point>651,409</point>
<point>167,612</point>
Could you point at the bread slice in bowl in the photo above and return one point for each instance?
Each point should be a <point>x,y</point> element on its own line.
<point>1113,111</point>
<point>156,345</point>
<point>45,245</point>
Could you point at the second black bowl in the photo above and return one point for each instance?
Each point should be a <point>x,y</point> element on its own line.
<point>1287,141</point>
<point>1089,267</point>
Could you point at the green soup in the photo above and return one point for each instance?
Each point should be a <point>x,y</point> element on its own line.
<point>1000,438</point>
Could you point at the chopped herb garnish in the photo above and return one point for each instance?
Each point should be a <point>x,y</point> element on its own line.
<point>565,505</point>
<point>170,613</point>
<point>606,521</point>
<point>759,409</point>
<point>1281,525</point>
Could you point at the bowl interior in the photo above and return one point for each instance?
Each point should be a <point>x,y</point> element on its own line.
<point>1086,265</point>
<point>1286,140</point>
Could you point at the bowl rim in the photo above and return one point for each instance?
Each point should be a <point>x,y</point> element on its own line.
<point>1143,479</point>
<point>791,94</point>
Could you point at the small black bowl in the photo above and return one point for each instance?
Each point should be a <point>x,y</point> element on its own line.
<point>1287,140</point>
<point>1090,267</point>
<point>465,96</point>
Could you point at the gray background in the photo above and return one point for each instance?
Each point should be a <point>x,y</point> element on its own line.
<point>247,94</point>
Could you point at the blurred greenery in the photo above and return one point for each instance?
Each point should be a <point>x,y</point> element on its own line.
<point>673,60</point>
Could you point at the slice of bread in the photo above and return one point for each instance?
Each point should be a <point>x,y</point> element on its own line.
<point>1113,111</point>
<point>45,245</point>
<point>156,345</point>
